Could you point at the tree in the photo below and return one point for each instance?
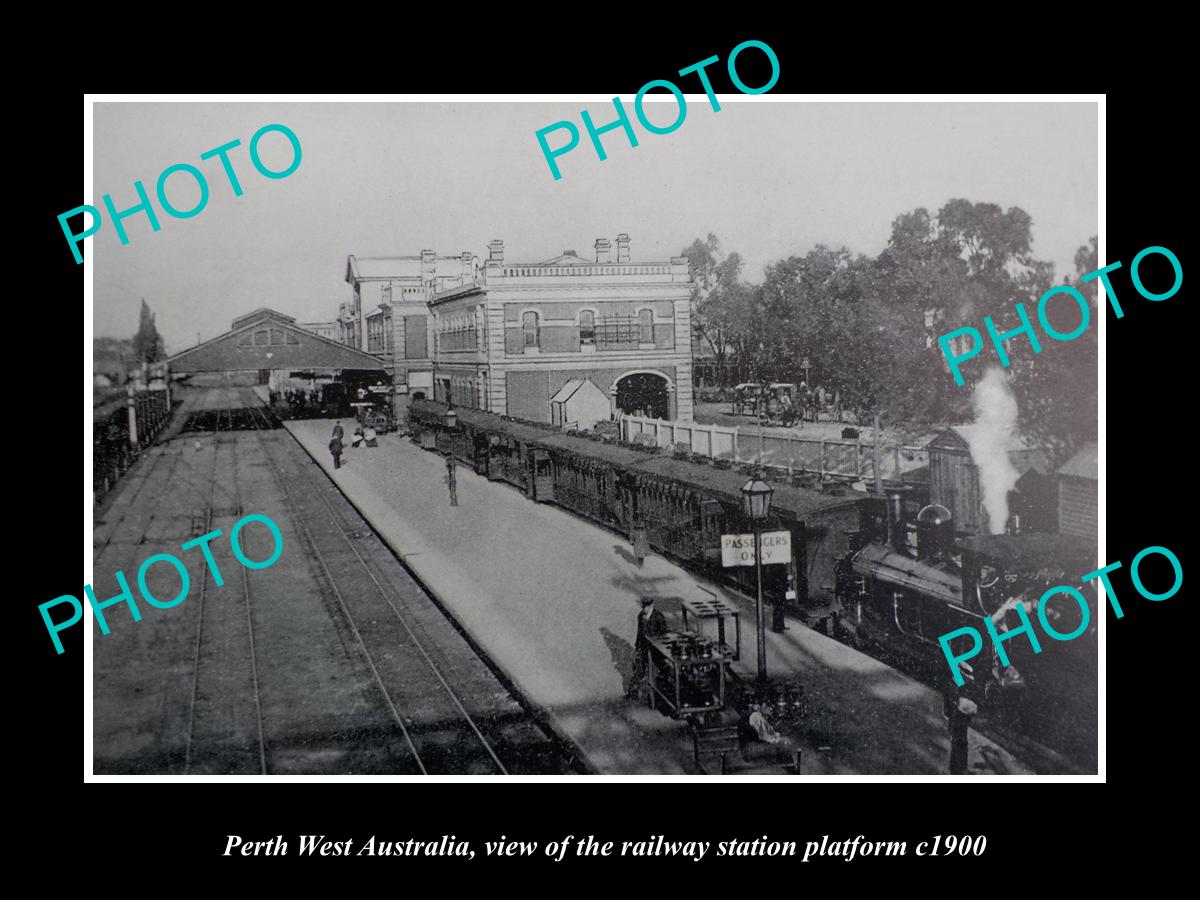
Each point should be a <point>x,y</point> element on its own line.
<point>148,344</point>
<point>1056,389</point>
<point>834,310</point>
<point>869,327</point>
<point>719,300</point>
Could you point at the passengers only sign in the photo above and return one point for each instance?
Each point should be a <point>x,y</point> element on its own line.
<point>738,549</point>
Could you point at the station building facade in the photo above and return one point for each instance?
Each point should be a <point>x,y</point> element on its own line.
<point>528,339</point>
<point>388,317</point>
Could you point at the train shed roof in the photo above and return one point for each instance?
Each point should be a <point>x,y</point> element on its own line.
<point>266,340</point>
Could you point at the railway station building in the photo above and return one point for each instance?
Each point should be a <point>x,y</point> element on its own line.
<point>550,341</point>
<point>387,314</point>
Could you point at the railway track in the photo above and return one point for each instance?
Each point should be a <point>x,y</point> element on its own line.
<point>212,669</point>
<point>444,728</point>
<point>329,532</point>
<point>144,524</point>
<point>337,662</point>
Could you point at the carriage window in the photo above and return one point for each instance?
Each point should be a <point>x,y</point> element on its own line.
<point>646,326</point>
<point>587,327</point>
<point>529,325</point>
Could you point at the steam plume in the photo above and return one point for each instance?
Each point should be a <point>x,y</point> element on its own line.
<point>995,423</point>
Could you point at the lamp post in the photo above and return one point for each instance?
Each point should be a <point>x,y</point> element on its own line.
<point>756,503</point>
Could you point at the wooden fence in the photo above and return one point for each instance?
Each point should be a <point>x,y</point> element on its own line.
<point>785,451</point>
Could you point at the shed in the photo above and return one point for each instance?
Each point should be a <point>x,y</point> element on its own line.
<point>579,404</point>
<point>1078,494</point>
<point>269,341</point>
<point>954,477</point>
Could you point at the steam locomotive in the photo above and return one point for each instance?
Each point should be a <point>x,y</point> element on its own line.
<point>908,579</point>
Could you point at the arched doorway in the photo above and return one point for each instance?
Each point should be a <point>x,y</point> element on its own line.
<point>643,393</point>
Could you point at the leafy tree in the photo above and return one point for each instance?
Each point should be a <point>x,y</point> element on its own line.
<point>1056,389</point>
<point>148,345</point>
<point>834,309</point>
<point>869,327</point>
<point>720,300</point>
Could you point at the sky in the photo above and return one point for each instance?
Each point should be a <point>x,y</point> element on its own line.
<point>770,177</point>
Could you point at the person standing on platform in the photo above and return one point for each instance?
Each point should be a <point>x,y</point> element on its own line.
<point>452,479</point>
<point>959,710</point>
<point>338,431</point>
<point>641,542</point>
<point>650,623</point>
<point>335,447</point>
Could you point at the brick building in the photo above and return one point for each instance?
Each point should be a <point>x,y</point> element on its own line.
<point>511,340</point>
<point>387,314</point>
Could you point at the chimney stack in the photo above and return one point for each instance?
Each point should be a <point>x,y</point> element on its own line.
<point>496,251</point>
<point>622,248</point>
<point>428,264</point>
<point>468,265</point>
<point>603,250</point>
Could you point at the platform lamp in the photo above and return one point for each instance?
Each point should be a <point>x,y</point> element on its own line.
<point>756,503</point>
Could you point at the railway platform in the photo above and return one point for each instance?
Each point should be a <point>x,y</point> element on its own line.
<point>332,661</point>
<point>551,599</point>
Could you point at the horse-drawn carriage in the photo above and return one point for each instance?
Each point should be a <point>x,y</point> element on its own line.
<point>774,403</point>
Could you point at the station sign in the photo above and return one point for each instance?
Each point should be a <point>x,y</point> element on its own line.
<point>738,549</point>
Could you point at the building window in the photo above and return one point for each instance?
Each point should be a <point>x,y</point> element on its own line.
<point>262,338</point>
<point>587,328</point>
<point>529,326</point>
<point>645,326</point>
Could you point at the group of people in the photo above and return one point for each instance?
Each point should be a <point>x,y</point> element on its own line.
<point>362,437</point>
<point>297,398</point>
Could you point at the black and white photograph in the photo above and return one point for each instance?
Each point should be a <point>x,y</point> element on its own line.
<point>530,437</point>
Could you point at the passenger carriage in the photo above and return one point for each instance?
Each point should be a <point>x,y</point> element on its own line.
<point>685,506</point>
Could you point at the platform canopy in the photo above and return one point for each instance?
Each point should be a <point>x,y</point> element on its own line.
<point>266,339</point>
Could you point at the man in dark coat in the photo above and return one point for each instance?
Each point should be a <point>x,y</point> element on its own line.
<point>452,478</point>
<point>338,431</point>
<point>335,447</point>
<point>650,623</point>
<point>958,709</point>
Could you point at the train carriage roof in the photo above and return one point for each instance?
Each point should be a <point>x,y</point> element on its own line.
<point>613,454</point>
<point>429,409</point>
<point>800,502</point>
